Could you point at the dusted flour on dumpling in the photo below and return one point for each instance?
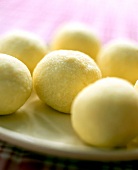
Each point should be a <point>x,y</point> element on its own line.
<point>61,74</point>
<point>15,84</point>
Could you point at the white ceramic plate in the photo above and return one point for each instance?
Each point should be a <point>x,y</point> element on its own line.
<point>39,128</point>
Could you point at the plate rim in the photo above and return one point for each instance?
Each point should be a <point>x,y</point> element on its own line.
<point>45,147</point>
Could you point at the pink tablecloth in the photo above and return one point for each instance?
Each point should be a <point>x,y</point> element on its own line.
<point>109,18</point>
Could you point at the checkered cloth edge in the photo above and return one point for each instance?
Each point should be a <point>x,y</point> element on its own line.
<point>13,158</point>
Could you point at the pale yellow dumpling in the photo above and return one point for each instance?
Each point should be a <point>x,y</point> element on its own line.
<point>105,114</point>
<point>61,74</point>
<point>25,46</point>
<point>119,58</point>
<point>15,84</point>
<point>76,36</point>
<point>136,85</point>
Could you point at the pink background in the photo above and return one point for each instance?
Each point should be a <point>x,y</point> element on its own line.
<point>110,18</point>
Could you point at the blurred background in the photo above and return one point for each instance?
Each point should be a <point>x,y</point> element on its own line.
<point>109,18</point>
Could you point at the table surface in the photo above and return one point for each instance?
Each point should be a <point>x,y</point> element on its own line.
<point>13,158</point>
<point>110,19</point>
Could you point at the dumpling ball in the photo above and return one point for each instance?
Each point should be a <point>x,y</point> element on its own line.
<point>61,74</point>
<point>76,36</point>
<point>15,84</point>
<point>105,113</point>
<point>26,46</point>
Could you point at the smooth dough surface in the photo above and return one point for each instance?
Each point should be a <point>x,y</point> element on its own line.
<point>105,114</point>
